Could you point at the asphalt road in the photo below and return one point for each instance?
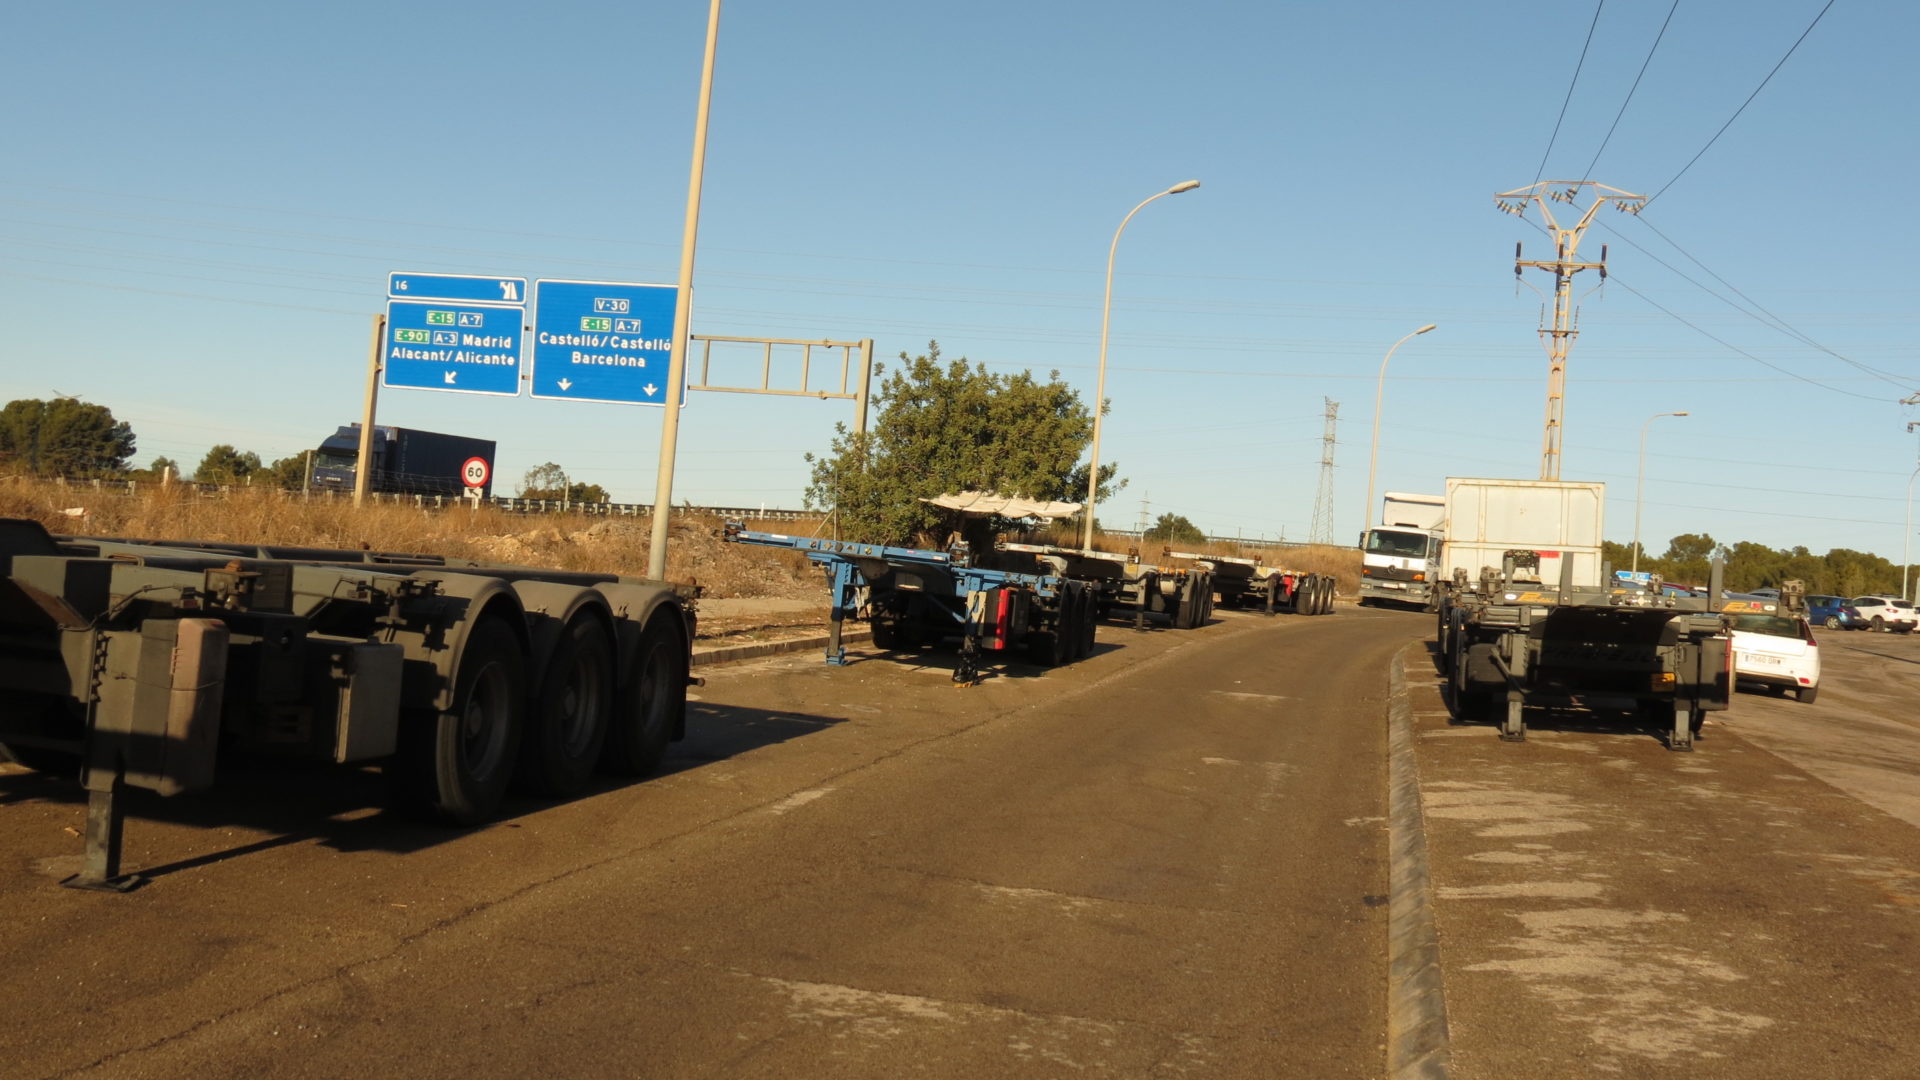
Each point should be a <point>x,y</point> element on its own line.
<point>1607,908</point>
<point>1166,860</point>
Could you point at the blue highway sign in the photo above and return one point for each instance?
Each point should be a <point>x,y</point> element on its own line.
<point>602,341</point>
<point>443,345</point>
<point>470,288</point>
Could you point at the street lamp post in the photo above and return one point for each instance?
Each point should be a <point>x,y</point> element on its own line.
<point>1373,455</point>
<point>1906,552</point>
<point>1100,392</point>
<point>1640,484</point>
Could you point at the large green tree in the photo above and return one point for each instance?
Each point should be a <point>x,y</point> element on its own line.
<point>63,437</point>
<point>942,426</point>
<point>287,473</point>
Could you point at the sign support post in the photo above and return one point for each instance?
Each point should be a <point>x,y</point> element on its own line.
<point>683,309</point>
<point>362,475</point>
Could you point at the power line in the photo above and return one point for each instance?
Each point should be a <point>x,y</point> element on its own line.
<point>1770,320</point>
<point>1575,81</point>
<point>1744,104</point>
<point>1615,278</point>
<point>1630,89</point>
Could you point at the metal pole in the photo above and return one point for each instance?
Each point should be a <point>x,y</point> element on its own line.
<point>1100,391</point>
<point>865,393</point>
<point>1906,557</point>
<point>361,470</point>
<point>682,310</point>
<point>1640,484</point>
<point>1373,456</point>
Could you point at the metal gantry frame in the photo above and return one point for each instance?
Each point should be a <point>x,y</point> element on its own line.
<point>860,394</point>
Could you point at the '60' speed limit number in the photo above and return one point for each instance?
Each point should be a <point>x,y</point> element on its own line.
<point>475,472</point>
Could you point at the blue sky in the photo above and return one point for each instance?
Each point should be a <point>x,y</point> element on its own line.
<point>201,202</point>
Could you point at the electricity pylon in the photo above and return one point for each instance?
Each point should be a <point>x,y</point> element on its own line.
<point>1565,263</point>
<point>1321,531</point>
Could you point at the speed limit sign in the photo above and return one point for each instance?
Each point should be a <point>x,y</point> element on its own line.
<point>475,472</point>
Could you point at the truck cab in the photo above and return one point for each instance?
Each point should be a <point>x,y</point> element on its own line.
<point>1400,557</point>
<point>1399,564</point>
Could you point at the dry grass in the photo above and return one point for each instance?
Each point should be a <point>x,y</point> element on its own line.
<point>695,552</point>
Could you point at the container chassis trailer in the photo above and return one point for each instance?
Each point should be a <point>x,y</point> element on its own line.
<point>1247,583</point>
<point>143,664</point>
<point>1506,643</point>
<point>912,597</point>
<point>1124,586</point>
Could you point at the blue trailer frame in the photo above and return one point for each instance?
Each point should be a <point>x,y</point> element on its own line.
<point>910,593</point>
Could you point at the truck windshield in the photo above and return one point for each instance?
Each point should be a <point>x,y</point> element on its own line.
<point>333,459</point>
<point>1399,545</point>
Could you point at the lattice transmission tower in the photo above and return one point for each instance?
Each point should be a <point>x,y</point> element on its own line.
<point>1321,532</point>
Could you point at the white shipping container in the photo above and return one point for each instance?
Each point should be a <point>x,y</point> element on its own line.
<point>1559,519</point>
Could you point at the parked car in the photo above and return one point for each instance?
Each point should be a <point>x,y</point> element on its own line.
<point>1834,613</point>
<point>1884,613</point>
<point>1777,652</point>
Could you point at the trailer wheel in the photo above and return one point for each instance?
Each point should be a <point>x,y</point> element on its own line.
<point>458,762</point>
<point>886,632</point>
<point>649,707</point>
<point>571,712</point>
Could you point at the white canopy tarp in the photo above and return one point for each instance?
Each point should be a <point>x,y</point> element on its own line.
<point>1006,506</point>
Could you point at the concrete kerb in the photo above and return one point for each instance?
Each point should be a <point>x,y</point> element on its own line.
<point>1417,1042</point>
<point>723,654</point>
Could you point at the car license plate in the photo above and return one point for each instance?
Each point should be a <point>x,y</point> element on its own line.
<point>1760,659</point>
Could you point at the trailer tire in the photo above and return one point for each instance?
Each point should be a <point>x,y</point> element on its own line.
<point>886,632</point>
<point>456,764</point>
<point>650,707</point>
<point>572,712</point>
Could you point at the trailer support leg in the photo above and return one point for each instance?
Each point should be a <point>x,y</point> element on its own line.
<point>106,825</point>
<point>1682,739</point>
<point>1513,724</point>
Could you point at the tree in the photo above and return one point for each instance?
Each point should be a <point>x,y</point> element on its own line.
<point>287,474</point>
<point>550,481</point>
<point>944,426</point>
<point>226,465</point>
<point>158,470</point>
<point>1174,529</point>
<point>63,437</point>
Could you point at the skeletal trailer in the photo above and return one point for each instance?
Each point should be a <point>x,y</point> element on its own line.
<point>1247,583</point>
<point>913,597</point>
<point>142,664</point>
<point>1506,643</point>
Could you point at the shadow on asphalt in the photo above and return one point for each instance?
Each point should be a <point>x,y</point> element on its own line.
<point>350,809</point>
<point>1561,718</point>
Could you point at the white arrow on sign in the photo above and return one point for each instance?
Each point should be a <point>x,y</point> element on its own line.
<point>450,376</point>
<point>566,384</point>
<point>651,389</point>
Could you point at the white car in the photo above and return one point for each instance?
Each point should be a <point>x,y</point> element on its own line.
<point>1776,651</point>
<point>1886,613</point>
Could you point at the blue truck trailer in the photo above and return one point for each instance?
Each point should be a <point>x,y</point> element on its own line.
<point>913,598</point>
<point>406,461</point>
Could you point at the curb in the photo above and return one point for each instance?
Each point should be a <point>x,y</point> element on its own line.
<point>726,654</point>
<point>1417,1041</point>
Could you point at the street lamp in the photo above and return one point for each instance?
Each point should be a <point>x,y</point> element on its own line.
<point>1100,393</point>
<point>1640,484</point>
<point>1373,456</point>
<point>1906,556</point>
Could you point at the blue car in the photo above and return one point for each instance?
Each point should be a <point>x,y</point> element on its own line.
<point>1834,613</point>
